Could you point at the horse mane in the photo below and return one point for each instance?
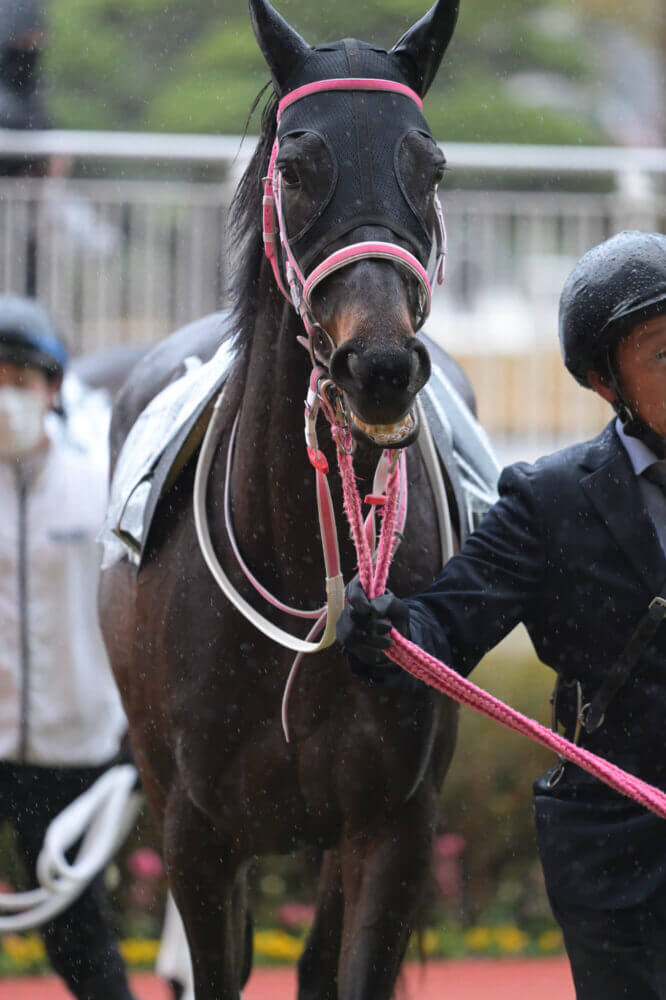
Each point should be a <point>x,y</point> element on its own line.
<point>245,228</point>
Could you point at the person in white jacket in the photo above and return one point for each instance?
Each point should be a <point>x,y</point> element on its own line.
<point>61,721</point>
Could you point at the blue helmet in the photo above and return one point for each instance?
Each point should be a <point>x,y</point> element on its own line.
<point>29,336</point>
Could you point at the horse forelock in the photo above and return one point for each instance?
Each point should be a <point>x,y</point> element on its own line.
<point>245,229</point>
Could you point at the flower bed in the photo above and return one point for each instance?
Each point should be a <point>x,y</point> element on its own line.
<point>23,954</point>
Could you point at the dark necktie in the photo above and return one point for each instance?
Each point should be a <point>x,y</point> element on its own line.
<point>656,473</point>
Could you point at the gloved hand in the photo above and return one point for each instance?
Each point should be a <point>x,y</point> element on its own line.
<point>363,626</point>
<point>362,631</point>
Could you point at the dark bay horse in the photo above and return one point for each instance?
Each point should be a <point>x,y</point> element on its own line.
<point>202,688</point>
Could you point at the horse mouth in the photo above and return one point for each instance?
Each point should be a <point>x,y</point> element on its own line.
<point>396,435</point>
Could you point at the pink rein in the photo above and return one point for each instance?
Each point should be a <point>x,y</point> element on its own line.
<point>436,674</point>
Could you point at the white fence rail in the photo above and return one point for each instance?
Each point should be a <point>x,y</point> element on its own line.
<point>115,261</point>
<point>119,261</point>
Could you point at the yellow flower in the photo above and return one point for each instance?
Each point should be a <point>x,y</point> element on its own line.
<point>510,939</point>
<point>429,941</point>
<point>550,940</point>
<point>277,944</point>
<point>23,950</point>
<point>477,938</point>
<point>139,951</point>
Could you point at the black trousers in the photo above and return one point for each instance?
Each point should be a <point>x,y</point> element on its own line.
<point>79,942</point>
<point>616,954</point>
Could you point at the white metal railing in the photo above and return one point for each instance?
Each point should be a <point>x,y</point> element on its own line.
<point>115,261</point>
<point>120,260</point>
<point>225,148</point>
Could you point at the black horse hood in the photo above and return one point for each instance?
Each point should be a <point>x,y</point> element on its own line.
<point>349,57</point>
<point>613,287</point>
<point>363,132</point>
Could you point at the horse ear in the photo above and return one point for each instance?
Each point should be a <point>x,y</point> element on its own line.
<point>420,49</point>
<point>283,48</point>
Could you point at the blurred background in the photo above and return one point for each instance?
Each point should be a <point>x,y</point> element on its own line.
<point>551,115</point>
<point>134,245</point>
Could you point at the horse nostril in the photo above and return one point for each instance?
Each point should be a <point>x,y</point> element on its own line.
<point>343,365</point>
<point>420,365</point>
<point>382,374</point>
<point>354,365</point>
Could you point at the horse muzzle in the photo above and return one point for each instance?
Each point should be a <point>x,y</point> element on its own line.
<point>379,386</point>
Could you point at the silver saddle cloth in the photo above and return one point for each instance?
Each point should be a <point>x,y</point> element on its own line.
<point>153,450</point>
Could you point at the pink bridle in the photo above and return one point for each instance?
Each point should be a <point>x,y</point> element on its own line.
<point>301,286</point>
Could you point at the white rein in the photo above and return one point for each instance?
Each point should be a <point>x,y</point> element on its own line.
<point>100,818</point>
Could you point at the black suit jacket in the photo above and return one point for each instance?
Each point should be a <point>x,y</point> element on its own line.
<point>570,550</point>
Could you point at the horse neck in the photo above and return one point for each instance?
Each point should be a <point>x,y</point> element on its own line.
<point>275,385</point>
<point>273,483</point>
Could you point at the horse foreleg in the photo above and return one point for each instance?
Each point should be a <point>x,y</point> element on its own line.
<point>318,966</point>
<point>208,886</point>
<point>385,875</point>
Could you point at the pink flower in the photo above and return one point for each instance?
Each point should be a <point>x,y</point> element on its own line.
<point>449,849</point>
<point>145,864</point>
<point>296,914</point>
<point>449,845</point>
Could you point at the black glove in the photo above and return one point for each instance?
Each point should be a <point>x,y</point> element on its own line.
<point>363,626</point>
<point>362,631</point>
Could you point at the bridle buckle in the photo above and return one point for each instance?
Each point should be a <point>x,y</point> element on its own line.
<point>330,397</point>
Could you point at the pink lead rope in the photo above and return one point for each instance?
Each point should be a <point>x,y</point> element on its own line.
<point>403,652</point>
<point>436,674</point>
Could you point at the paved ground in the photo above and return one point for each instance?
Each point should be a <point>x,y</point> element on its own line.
<point>465,980</point>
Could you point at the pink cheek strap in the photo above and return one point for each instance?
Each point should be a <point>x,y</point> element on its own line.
<point>301,288</point>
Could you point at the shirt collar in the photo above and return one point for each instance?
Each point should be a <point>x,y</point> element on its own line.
<point>640,456</point>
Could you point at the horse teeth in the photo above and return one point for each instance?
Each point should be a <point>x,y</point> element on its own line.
<point>386,434</point>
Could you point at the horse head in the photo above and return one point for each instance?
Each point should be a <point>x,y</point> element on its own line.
<point>352,191</point>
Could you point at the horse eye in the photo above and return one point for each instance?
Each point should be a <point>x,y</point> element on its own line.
<point>440,170</point>
<point>289,175</point>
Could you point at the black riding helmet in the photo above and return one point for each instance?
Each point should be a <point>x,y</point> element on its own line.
<point>28,336</point>
<point>612,288</point>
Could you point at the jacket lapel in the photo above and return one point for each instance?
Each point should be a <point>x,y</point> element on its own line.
<point>614,490</point>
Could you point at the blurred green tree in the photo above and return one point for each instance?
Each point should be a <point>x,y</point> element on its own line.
<point>193,65</point>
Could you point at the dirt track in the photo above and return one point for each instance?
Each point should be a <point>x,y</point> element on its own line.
<point>465,980</point>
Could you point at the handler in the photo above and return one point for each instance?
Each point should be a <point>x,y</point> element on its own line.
<point>61,721</point>
<point>23,37</point>
<point>575,548</point>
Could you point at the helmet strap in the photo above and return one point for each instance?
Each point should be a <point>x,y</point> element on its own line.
<point>631,422</point>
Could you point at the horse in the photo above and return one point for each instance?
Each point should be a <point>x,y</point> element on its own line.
<point>360,777</point>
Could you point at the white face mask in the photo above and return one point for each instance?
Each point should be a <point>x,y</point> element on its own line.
<point>22,415</point>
